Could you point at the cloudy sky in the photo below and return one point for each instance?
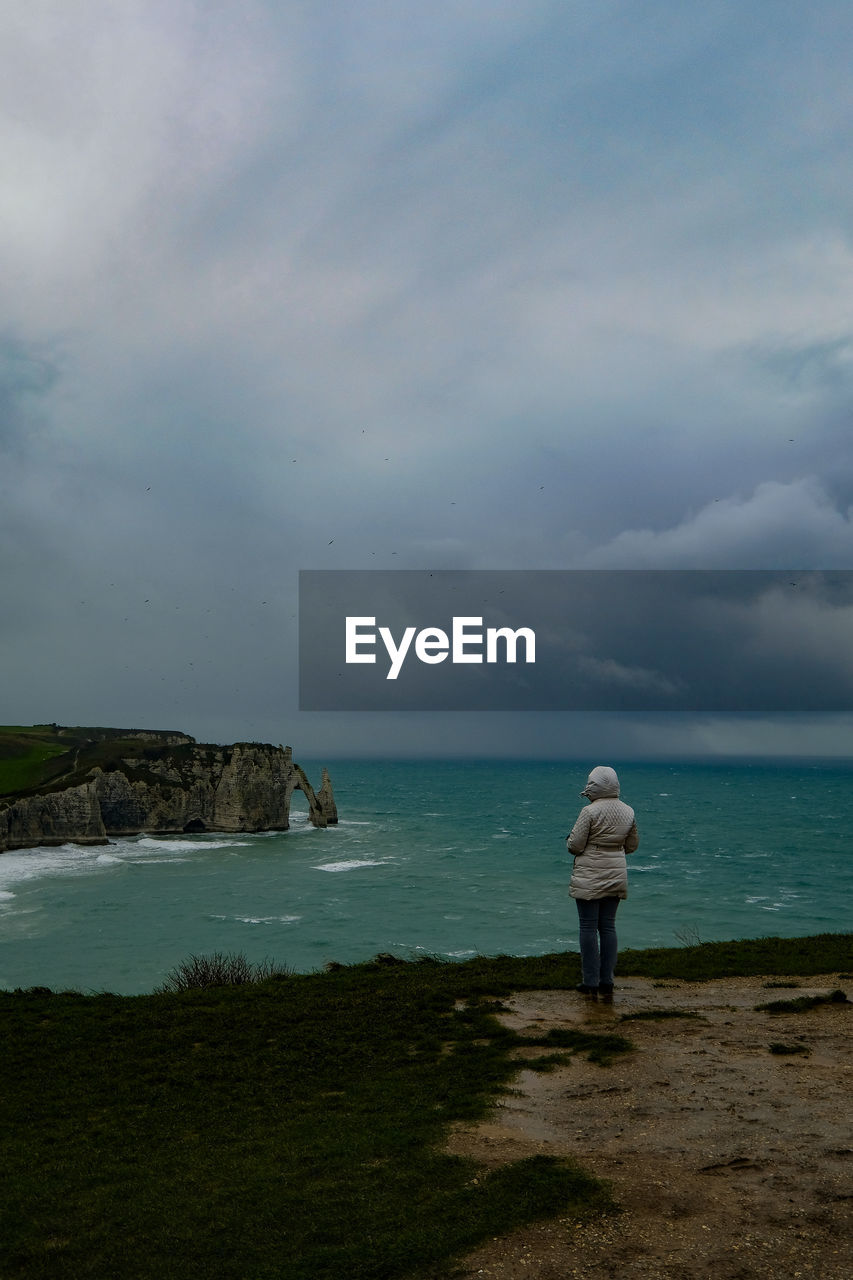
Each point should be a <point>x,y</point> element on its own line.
<point>470,285</point>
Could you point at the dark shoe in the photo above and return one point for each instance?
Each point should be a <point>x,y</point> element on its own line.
<point>605,991</point>
<point>592,992</point>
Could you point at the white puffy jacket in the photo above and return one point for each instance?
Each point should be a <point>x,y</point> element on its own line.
<point>604,832</point>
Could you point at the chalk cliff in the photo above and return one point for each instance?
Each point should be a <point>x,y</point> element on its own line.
<point>132,782</point>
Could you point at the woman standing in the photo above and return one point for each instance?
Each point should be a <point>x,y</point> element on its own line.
<point>604,832</point>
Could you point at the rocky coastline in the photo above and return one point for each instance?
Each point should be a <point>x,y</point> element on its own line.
<point>124,782</point>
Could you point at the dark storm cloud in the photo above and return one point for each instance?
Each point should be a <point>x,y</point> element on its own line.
<point>472,286</point>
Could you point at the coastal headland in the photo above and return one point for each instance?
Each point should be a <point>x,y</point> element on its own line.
<point>82,785</point>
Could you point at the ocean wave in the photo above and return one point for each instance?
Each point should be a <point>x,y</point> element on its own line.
<point>352,864</point>
<point>57,860</point>
<point>154,862</point>
<point>267,919</point>
<point>300,822</point>
<point>431,951</point>
<point>256,919</point>
<point>162,844</point>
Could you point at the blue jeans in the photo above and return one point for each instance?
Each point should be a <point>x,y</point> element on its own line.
<point>597,920</point>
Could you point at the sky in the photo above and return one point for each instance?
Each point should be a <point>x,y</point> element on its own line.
<point>382,285</point>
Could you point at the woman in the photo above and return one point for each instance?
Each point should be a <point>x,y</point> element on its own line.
<point>604,832</point>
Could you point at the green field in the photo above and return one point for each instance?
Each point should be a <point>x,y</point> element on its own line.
<point>293,1128</point>
<point>47,757</point>
<point>26,756</point>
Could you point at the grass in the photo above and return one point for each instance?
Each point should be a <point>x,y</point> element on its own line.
<point>800,1003</point>
<point>600,1047</point>
<point>783,957</point>
<point>46,757</point>
<point>29,755</point>
<point>292,1127</point>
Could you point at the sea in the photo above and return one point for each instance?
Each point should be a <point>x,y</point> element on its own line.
<point>450,858</point>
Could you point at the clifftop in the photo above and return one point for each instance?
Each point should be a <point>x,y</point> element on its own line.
<point>61,784</point>
<point>51,757</point>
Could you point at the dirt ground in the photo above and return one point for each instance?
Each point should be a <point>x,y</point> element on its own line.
<point>726,1159</point>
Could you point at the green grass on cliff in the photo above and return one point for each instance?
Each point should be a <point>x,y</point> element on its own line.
<point>28,756</point>
<point>49,757</point>
<point>293,1129</point>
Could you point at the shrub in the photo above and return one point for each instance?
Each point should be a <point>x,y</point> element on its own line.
<point>232,969</point>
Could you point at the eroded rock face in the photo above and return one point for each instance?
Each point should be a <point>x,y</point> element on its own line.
<point>73,814</point>
<point>246,787</point>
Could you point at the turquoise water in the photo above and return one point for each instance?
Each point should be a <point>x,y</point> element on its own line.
<point>442,858</point>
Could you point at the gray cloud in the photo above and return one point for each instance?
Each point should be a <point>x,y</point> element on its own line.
<point>27,371</point>
<point>473,286</point>
<point>610,673</point>
<point>794,525</point>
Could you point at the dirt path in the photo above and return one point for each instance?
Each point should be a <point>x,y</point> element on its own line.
<point>727,1160</point>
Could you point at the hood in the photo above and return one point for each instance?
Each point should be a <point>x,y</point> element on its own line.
<point>601,782</point>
